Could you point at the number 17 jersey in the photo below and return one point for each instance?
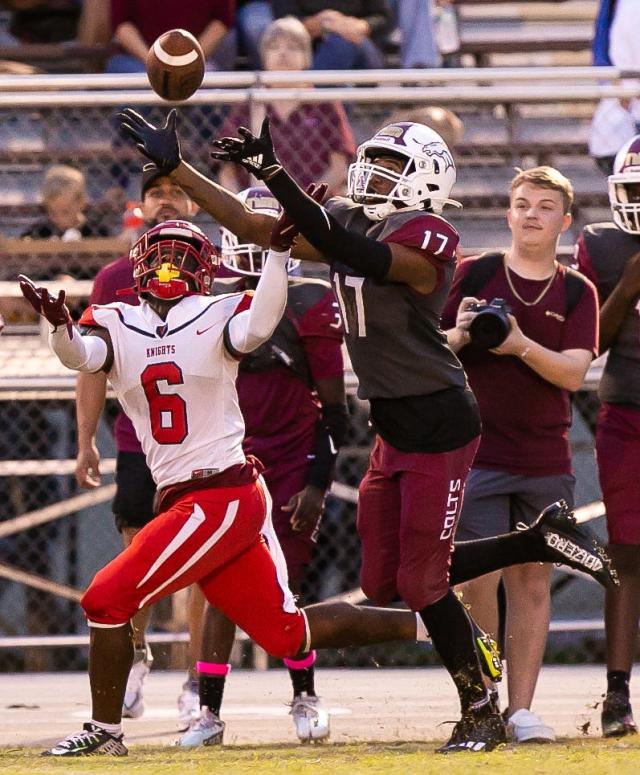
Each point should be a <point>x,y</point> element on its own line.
<point>175,380</point>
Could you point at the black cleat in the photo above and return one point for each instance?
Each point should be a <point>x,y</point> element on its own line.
<point>91,741</point>
<point>478,731</point>
<point>617,716</point>
<point>568,543</point>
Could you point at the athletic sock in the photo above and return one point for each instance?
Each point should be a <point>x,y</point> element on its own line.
<point>302,674</point>
<point>112,729</point>
<point>211,679</point>
<point>471,559</point>
<point>452,637</point>
<point>618,681</point>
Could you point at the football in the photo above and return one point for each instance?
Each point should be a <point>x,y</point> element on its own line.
<point>175,65</point>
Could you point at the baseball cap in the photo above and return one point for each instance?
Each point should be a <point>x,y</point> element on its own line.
<point>151,173</point>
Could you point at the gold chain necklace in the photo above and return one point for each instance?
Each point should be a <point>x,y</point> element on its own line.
<point>540,296</point>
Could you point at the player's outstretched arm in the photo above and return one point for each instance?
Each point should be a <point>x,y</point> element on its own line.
<point>81,353</point>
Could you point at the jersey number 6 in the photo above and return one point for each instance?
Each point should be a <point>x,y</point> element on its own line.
<point>167,411</point>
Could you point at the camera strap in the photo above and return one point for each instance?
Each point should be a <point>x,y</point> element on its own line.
<point>484,267</point>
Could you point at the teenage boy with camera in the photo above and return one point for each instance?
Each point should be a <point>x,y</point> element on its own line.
<point>523,386</point>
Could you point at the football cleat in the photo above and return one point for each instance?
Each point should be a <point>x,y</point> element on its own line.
<point>525,727</point>
<point>478,731</point>
<point>571,544</point>
<point>93,740</point>
<point>188,706</point>
<point>207,730</point>
<point>133,703</point>
<point>311,719</point>
<point>617,716</point>
<point>488,653</point>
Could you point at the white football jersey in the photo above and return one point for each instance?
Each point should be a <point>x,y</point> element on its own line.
<point>175,380</point>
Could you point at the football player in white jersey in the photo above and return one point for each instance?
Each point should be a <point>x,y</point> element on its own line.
<point>172,362</point>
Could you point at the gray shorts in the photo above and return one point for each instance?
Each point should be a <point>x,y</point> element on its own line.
<point>494,502</point>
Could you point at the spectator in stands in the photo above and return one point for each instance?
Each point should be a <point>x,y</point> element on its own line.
<point>137,23</point>
<point>313,139</point>
<point>252,19</point>
<point>615,43</point>
<point>522,387</point>
<point>44,21</point>
<point>64,199</point>
<point>346,35</point>
<point>418,44</point>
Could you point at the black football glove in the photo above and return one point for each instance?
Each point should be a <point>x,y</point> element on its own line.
<point>53,309</point>
<point>255,154</point>
<point>159,144</point>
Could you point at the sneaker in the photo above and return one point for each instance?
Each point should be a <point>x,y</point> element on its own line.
<point>188,706</point>
<point>207,730</point>
<point>92,740</point>
<point>477,732</point>
<point>525,727</point>
<point>133,703</point>
<point>310,717</point>
<point>488,653</point>
<point>617,716</point>
<point>574,545</point>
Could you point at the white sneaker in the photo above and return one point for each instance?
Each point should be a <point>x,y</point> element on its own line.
<point>207,730</point>
<point>188,707</point>
<point>133,703</point>
<point>525,727</point>
<point>310,717</point>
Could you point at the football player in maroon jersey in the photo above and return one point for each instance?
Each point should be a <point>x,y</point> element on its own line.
<point>391,258</point>
<point>609,253</point>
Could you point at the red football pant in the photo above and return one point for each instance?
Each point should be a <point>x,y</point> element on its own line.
<point>221,539</point>
<point>408,510</point>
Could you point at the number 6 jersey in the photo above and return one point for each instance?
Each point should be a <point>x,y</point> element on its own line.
<point>175,380</point>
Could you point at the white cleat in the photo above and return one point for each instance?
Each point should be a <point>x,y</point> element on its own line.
<point>310,717</point>
<point>207,730</point>
<point>188,707</point>
<point>133,703</point>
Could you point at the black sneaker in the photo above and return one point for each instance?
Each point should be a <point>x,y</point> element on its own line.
<point>92,740</point>
<point>617,716</point>
<point>574,545</point>
<point>488,653</point>
<point>477,732</point>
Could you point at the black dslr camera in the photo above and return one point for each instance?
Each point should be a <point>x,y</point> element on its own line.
<point>491,326</point>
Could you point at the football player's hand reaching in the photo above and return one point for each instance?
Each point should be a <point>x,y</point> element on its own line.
<point>284,230</point>
<point>159,144</point>
<point>306,508</point>
<point>53,309</point>
<point>255,154</point>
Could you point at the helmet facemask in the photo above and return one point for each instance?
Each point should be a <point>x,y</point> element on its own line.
<point>624,187</point>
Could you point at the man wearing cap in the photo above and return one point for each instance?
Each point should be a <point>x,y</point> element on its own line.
<point>161,200</point>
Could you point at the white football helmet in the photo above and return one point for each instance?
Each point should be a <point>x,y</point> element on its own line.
<point>425,181</point>
<point>625,200</point>
<point>246,258</point>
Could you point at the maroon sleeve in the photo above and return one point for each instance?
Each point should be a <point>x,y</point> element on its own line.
<point>434,236</point>
<point>320,332</point>
<point>120,13</point>
<point>450,311</point>
<point>581,329</point>
<point>582,260</point>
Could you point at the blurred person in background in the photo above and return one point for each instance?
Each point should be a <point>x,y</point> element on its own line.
<point>252,19</point>
<point>313,138</point>
<point>615,43</point>
<point>609,254</point>
<point>522,385</point>
<point>137,23</point>
<point>161,200</point>
<point>64,200</point>
<point>346,35</point>
<point>292,398</point>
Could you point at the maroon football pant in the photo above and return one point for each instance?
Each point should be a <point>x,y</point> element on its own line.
<point>408,510</point>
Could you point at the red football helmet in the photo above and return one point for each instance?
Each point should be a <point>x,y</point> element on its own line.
<point>170,255</point>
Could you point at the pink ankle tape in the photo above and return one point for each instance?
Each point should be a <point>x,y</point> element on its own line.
<point>300,664</point>
<point>213,668</point>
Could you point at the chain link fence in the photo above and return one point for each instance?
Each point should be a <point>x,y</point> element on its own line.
<point>37,420</point>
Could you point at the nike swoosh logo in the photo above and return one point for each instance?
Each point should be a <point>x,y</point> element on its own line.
<point>205,329</point>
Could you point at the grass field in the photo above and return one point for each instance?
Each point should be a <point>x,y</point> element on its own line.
<point>569,757</point>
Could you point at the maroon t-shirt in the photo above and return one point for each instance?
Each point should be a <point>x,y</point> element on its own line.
<point>525,419</point>
<point>303,141</point>
<point>111,278</point>
<point>153,17</point>
<point>280,409</point>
